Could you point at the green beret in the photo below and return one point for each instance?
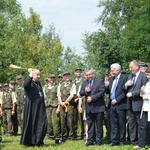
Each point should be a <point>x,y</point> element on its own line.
<point>143,65</point>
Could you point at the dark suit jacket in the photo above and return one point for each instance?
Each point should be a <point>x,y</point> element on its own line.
<point>97,95</point>
<point>136,100</point>
<point>120,92</point>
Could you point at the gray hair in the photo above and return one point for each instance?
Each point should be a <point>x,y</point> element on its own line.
<point>116,66</point>
<point>135,62</point>
<point>90,69</point>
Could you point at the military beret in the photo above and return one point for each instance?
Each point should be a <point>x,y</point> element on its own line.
<point>78,69</point>
<point>19,77</point>
<point>66,73</point>
<point>12,82</point>
<point>51,76</point>
<point>143,65</point>
<point>6,84</point>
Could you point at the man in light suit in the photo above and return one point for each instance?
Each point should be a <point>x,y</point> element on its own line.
<point>93,89</point>
<point>134,103</point>
<point>117,105</point>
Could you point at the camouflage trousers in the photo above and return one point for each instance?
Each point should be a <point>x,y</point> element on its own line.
<point>7,121</point>
<point>20,116</point>
<point>70,123</point>
<point>53,128</point>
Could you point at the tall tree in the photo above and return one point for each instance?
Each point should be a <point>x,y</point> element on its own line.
<point>124,35</point>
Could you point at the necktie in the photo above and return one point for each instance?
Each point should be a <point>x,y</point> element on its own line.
<point>112,95</point>
<point>90,84</point>
<point>133,79</point>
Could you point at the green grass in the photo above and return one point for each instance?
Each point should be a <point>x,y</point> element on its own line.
<point>12,143</point>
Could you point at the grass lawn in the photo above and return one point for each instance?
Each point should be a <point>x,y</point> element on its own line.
<point>12,143</point>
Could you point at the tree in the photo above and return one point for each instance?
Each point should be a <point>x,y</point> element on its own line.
<point>136,39</point>
<point>70,61</point>
<point>124,36</point>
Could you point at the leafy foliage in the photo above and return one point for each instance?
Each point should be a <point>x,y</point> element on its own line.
<point>124,36</point>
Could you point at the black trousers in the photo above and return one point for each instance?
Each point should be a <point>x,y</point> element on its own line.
<point>134,125</point>
<point>143,130</point>
<point>95,124</point>
<point>118,125</point>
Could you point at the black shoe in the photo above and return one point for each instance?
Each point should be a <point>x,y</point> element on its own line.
<point>88,144</point>
<point>113,144</point>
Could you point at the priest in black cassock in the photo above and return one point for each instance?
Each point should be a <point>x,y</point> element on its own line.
<point>34,119</point>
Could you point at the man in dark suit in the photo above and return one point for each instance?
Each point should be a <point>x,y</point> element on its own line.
<point>93,89</point>
<point>134,103</point>
<point>117,105</point>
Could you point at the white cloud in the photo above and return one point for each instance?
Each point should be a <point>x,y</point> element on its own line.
<point>71,18</point>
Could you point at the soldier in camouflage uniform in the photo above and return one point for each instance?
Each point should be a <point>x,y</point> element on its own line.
<point>78,81</point>
<point>51,106</point>
<point>8,108</point>
<point>20,94</point>
<point>66,93</point>
<point>14,117</point>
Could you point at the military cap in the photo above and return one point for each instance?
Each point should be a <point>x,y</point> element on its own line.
<point>66,73</point>
<point>78,69</point>
<point>60,75</point>
<point>143,65</point>
<point>19,77</point>
<point>6,84</point>
<point>51,76</point>
<point>12,82</point>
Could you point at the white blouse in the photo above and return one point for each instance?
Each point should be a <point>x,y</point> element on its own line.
<point>146,102</point>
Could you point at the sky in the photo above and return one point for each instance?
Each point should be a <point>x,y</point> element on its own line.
<point>71,18</point>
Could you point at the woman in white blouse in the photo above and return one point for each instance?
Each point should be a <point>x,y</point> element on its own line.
<point>145,113</point>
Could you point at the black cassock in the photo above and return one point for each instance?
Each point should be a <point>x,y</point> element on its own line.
<point>34,119</point>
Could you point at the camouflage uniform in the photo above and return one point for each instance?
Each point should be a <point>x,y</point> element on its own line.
<point>65,90</point>
<point>20,95</point>
<point>7,100</point>
<point>77,115</point>
<point>51,106</point>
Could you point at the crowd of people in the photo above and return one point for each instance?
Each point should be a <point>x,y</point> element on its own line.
<point>65,106</point>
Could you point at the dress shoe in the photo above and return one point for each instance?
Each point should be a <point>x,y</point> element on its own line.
<point>88,144</point>
<point>113,144</point>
